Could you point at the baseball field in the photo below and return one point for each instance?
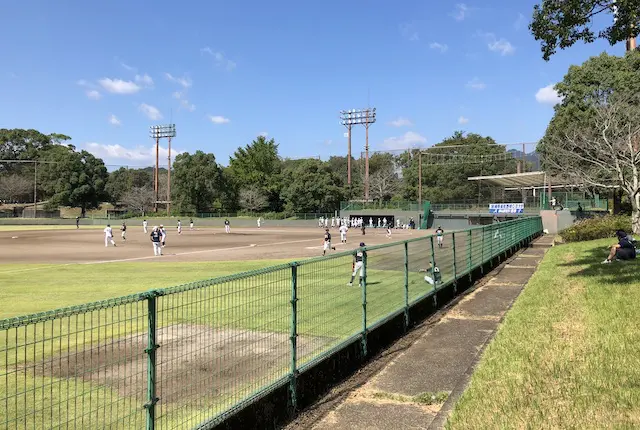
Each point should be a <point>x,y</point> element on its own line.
<point>220,341</point>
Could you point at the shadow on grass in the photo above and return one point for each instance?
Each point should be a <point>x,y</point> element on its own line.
<point>618,272</point>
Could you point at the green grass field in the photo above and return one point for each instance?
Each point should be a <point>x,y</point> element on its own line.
<point>568,353</point>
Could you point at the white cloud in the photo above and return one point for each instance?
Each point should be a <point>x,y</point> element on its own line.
<point>401,122</point>
<point>217,119</point>
<point>220,59</point>
<point>151,112</point>
<point>476,84</point>
<point>520,22</point>
<point>113,120</point>
<point>502,45</point>
<point>118,86</point>
<point>409,32</point>
<point>142,155</point>
<point>185,81</point>
<point>127,67</point>
<point>407,140</point>
<point>144,80</point>
<point>461,12</point>
<point>440,46</point>
<point>463,120</point>
<point>548,96</point>
<point>177,95</point>
<point>263,134</point>
<point>94,95</point>
<point>185,104</point>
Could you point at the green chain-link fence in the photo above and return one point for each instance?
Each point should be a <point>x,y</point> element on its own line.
<point>183,356</point>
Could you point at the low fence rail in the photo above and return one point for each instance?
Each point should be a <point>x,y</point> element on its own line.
<point>193,354</point>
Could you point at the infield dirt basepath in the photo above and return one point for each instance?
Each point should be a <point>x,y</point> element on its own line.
<point>417,381</point>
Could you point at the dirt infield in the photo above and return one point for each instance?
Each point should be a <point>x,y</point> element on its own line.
<point>86,246</point>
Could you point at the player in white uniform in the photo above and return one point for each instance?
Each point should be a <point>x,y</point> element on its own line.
<point>156,240</point>
<point>144,225</point>
<point>227,226</point>
<point>108,236</point>
<point>326,222</point>
<point>164,235</point>
<point>179,227</point>
<point>389,232</point>
<point>343,233</point>
<point>190,223</point>
<point>259,221</point>
<point>358,265</point>
<point>333,222</point>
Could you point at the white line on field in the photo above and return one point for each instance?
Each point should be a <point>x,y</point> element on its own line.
<point>253,245</point>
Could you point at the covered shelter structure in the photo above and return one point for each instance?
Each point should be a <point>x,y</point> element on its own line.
<point>538,189</point>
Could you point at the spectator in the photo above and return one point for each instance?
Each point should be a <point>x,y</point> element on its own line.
<point>623,250</point>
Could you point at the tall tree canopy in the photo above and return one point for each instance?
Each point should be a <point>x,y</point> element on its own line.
<point>561,23</point>
<point>312,187</point>
<point>72,178</point>
<point>197,181</point>
<point>592,138</point>
<point>258,165</point>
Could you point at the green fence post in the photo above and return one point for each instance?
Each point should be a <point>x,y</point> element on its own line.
<point>293,391</point>
<point>406,285</point>
<point>152,346</point>
<point>455,264</point>
<point>492,234</point>
<point>364,304</point>
<point>433,268</point>
<point>482,252</point>
<point>469,253</point>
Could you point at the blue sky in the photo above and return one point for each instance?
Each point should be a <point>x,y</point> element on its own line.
<point>226,72</point>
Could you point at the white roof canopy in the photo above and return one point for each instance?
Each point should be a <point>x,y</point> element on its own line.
<point>514,180</point>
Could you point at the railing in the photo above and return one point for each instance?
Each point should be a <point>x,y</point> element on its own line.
<point>183,356</point>
<point>376,205</point>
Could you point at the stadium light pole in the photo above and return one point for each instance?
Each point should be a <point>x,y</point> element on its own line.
<point>158,132</point>
<point>352,117</point>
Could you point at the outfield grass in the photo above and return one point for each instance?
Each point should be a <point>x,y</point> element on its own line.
<point>568,353</point>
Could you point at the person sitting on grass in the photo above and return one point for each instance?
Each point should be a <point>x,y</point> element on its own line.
<point>623,250</point>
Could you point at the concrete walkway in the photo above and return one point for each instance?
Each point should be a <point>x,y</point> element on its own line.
<point>420,383</point>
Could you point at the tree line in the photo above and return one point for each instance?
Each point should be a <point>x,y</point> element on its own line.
<point>256,179</point>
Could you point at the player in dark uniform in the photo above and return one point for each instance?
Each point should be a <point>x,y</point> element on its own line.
<point>77,222</point>
<point>156,240</point>
<point>358,264</point>
<point>227,226</point>
<point>124,231</point>
<point>327,242</point>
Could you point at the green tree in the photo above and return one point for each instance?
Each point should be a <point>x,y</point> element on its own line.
<point>196,181</point>
<point>599,98</point>
<point>447,166</point>
<point>71,178</point>
<point>560,24</point>
<point>258,165</point>
<point>312,187</point>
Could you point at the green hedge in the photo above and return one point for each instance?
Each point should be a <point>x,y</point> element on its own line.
<point>596,228</point>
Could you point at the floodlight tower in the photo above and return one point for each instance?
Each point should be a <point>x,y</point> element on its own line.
<point>350,118</point>
<point>158,132</point>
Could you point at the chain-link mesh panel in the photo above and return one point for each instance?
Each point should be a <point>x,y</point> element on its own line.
<point>75,370</point>
<point>329,310</point>
<point>385,282</point>
<point>221,344</point>
<point>419,266</point>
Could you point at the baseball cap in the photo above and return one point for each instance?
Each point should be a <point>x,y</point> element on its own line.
<point>362,244</point>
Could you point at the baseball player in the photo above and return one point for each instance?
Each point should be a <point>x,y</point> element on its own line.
<point>343,233</point>
<point>77,222</point>
<point>259,221</point>
<point>163,233</point>
<point>333,222</point>
<point>179,227</point>
<point>124,231</point>
<point>327,242</point>
<point>389,231</point>
<point>433,275</point>
<point>326,222</point>
<point>156,240</point>
<point>190,223</point>
<point>227,226</point>
<point>144,225</point>
<point>440,236</point>
<point>108,236</point>
<point>358,264</point>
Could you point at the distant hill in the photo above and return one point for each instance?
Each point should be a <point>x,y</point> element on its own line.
<point>532,158</point>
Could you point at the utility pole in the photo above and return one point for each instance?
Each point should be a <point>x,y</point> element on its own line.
<point>35,189</point>
<point>364,117</point>
<point>169,177</point>
<point>420,178</point>
<point>158,132</point>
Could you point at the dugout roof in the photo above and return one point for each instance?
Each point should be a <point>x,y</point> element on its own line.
<point>515,180</point>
